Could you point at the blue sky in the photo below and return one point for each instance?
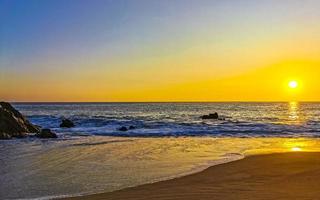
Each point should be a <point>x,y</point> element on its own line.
<point>58,37</point>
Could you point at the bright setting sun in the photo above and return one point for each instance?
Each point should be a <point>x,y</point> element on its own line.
<point>293,84</point>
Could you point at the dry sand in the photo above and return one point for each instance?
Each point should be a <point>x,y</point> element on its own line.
<point>289,176</point>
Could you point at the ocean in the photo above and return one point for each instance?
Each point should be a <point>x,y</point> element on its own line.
<point>179,119</point>
<point>168,140</point>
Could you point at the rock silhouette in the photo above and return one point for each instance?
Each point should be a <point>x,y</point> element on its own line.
<point>132,127</point>
<point>67,123</point>
<point>13,123</point>
<point>46,133</point>
<point>210,116</point>
<point>123,128</point>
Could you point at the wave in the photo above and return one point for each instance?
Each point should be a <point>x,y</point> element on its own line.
<point>149,127</point>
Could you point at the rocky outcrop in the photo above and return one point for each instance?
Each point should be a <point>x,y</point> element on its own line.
<point>67,123</point>
<point>13,123</point>
<point>210,116</point>
<point>213,116</point>
<point>46,133</point>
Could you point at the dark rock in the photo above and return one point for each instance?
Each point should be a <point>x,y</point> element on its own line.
<point>122,128</point>
<point>211,116</point>
<point>13,123</point>
<point>5,136</point>
<point>132,127</point>
<point>67,123</point>
<point>46,133</point>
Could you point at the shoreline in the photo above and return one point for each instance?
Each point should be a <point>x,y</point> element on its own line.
<point>233,157</point>
<point>259,176</point>
<point>181,157</point>
<point>196,170</point>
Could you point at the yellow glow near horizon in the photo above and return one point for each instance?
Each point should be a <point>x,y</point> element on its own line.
<point>293,84</point>
<point>184,84</point>
<point>296,149</point>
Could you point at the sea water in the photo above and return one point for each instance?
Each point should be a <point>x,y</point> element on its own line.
<point>180,119</point>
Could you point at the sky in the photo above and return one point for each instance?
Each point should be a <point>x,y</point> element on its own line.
<point>159,50</point>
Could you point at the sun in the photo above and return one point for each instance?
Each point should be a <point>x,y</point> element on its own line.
<point>293,84</point>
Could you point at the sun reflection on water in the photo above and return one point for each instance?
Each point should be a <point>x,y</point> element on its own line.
<point>294,114</point>
<point>301,144</point>
<point>293,110</point>
<point>296,149</point>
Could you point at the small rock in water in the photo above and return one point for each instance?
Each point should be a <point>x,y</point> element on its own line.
<point>211,116</point>
<point>46,133</point>
<point>132,127</point>
<point>67,123</point>
<point>122,128</point>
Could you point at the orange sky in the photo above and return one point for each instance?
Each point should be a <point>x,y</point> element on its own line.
<point>208,51</point>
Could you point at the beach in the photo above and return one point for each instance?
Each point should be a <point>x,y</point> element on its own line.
<point>81,166</point>
<point>284,176</point>
<point>161,143</point>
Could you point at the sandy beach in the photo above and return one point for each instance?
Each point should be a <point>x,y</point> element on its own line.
<point>287,176</point>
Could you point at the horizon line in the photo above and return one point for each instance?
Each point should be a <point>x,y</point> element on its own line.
<point>97,102</point>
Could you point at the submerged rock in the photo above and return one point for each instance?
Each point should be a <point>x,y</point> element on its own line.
<point>13,123</point>
<point>210,116</point>
<point>46,133</point>
<point>67,123</point>
<point>132,127</point>
<point>123,128</point>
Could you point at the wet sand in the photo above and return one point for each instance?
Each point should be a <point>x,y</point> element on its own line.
<point>284,176</point>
